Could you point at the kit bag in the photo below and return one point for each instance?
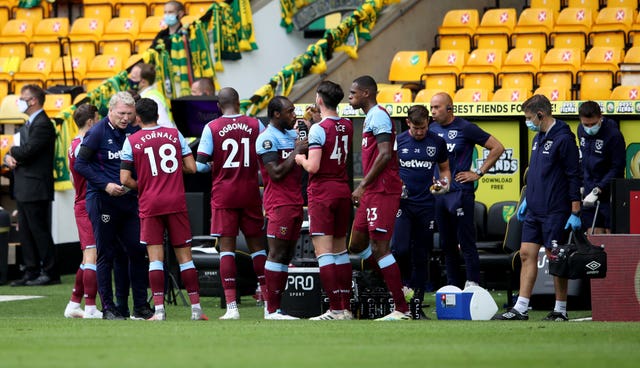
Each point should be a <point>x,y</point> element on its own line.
<point>579,259</point>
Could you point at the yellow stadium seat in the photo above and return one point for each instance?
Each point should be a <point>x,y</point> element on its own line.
<point>138,11</point>
<point>79,98</point>
<point>533,27</point>
<point>424,95</point>
<point>5,15</point>
<point>85,50</point>
<point>457,29</point>
<point>118,36</point>
<point>554,5</point>
<point>32,71</point>
<point>34,14</point>
<point>472,95</point>
<point>572,27</point>
<point>197,9</point>
<point>603,58</point>
<point>54,103</point>
<point>132,60</point>
<point>632,56</point>
<point>100,9</point>
<point>74,70</point>
<point>511,95</point>
<point>100,68</point>
<point>635,29</point>
<point>599,72</point>
<point>9,64</point>
<point>400,95</point>
<point>595,85</point>
<point>17,32</point>
<point>554,93</point>
<point>9,112</point>
<point>443,69</point>
<point>611,27</point>
<point>633,4</point>
<point>148,31</point>
<point>408,67</point>
<point>188,19</point>
<point>625,93</point>
<point>87,31</point>
<point>45,42</point>
<point>594,5</point>
<point>5,84</point>
<point>13,49</point>
<point>496,27</point>
<point>560,63</point>
<point>481,68</point>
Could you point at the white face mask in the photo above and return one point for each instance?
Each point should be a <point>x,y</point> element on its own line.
<point>22,106</point>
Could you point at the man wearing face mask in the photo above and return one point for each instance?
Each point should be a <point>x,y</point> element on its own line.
<point>32,165</point>
<point>602,150</point>
<point>142,80</point>
<point>551,204</point>
<point>173,12</point>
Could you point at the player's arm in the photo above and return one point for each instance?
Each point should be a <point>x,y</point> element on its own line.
<point>205,149</point>
<point>97,178</point>
<point>496,149</point>
<point>618,161</point>
<point>445,172</point>
<point>385,152</point>
<point>316,140</point>
<point>568,158</point>
<point>188,164</point>
<point>127,167</point>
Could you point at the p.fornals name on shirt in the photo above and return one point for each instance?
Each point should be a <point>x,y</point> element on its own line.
<point>158,134</point>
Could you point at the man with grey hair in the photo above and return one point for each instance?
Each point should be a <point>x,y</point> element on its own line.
<point>113,210</point>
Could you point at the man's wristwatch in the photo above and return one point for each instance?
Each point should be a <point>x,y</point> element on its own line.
<point>479,172</point>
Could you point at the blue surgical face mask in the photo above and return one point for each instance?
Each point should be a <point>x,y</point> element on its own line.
<point>592,130</point>
<point>170,19</point>
<point>532,127</point>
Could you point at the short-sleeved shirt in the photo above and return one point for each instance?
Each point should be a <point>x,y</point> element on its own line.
<point>156,156</point>
<point>379,122</point>
<point>334,136</point>
<point>287,191</point>
<point>229,143</point>
<point>461,137</point>
<point>79,182</point>
<point>418,165</point>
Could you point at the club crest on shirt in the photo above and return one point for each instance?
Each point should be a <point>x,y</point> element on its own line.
<point>599,144</point>
<point>452,134</point>
<point>405,150</point>
<point>547,145</point>
<point>582,142</point>
<point>399,212</point>
<point>431,151</point>
<point>105,218</point>
<point>267,144</point>
<point>283,230</point>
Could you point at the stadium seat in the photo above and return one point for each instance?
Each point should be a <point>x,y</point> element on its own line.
<point>188,19</point>
<point>472,95</point>
<point>132,60</point>
<point>85,50</point>
<point>554,5</point>
<point>118,36</point>
<point>554,93</point>
<point>603,58</point>
<point>34,14</point>
<point>572,27</point>
<point>457,29</point>
<point>79,98</point>
<point>32,71</point>
<point>54,103</point>
<point>87,31</point>
<point>17,32</point>
<point>8,67</point>
<point>148,31</point>
<point>481,68</point>
<point>511,95</point>
<point>197,9</point>
<point>533,27</point>
<point>625,93</point>
<point>138,11</point>
<point>559,65</point>
<point>633,4</point>
<point>496,27</point>
<point>9,113</point>
<point>519,68</point>
<point>407,67</point>
<point>444,68</point>
<point>45,42</point>
<point>391,95</point>
<point>635,30</point>
<point>100,68</point>
<point>611,27</point>
<point>424,95</point>
<point>74,69</point>
<point>13,50</point>
<point>599,73</point>
<point>594,85</point>
<point>594,5</point>
<point>100,9</point>
<point>5,15</point>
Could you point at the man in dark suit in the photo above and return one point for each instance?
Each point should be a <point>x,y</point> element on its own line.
<point>32,163</point>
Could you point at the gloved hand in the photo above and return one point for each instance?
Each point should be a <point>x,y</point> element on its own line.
<point>439,187</point>
<point>573,222</point>
<point>522,210</point>
<point>591,198</point>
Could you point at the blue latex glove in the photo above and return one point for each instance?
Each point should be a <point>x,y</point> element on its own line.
<point>573,222</point>
<point>522,210</point>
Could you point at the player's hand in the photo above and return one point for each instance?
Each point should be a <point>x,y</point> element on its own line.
<point>302,146</point>
<point>300,159</point>
<point>466,176</point>
<point>439,187</point>
<point>522,210</point>
<point>10,161</point>
<point>591,198</point>
<point>356,195</point>
<point>115,190</point>
<point>573,222</point>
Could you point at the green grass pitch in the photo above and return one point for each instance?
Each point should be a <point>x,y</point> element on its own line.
<point>33,333</point>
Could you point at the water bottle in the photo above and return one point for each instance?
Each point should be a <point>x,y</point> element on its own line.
<point>302,130</point>
<point>259,298</point>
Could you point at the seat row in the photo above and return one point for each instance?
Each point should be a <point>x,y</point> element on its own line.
<point>573,27</point>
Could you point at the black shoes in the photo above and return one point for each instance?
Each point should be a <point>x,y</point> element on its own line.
<point>112,314</point>
<point>556,317</point>
<point>42,280</point>
<point>142,313</point>
<point>511,315</point>
<point>23,281</point>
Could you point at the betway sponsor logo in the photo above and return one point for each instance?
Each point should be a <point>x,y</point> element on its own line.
<point>113,155</point>
<point>416,163</point>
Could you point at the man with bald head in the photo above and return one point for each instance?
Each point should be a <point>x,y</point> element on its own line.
<point>203,87</point>
<point>227,149</point>
<point>455,210</point>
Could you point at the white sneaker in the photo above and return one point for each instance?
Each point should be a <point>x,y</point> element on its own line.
<point>470,283</point>
<point>278,315</point>
<point>231,314</point>
<point>329,315</point>
<point>158,316</point>
<point>198,315</point>
<point>96,314</point>
<point>395,316</point>
<point>72,311</point>
<point>347,315</point>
